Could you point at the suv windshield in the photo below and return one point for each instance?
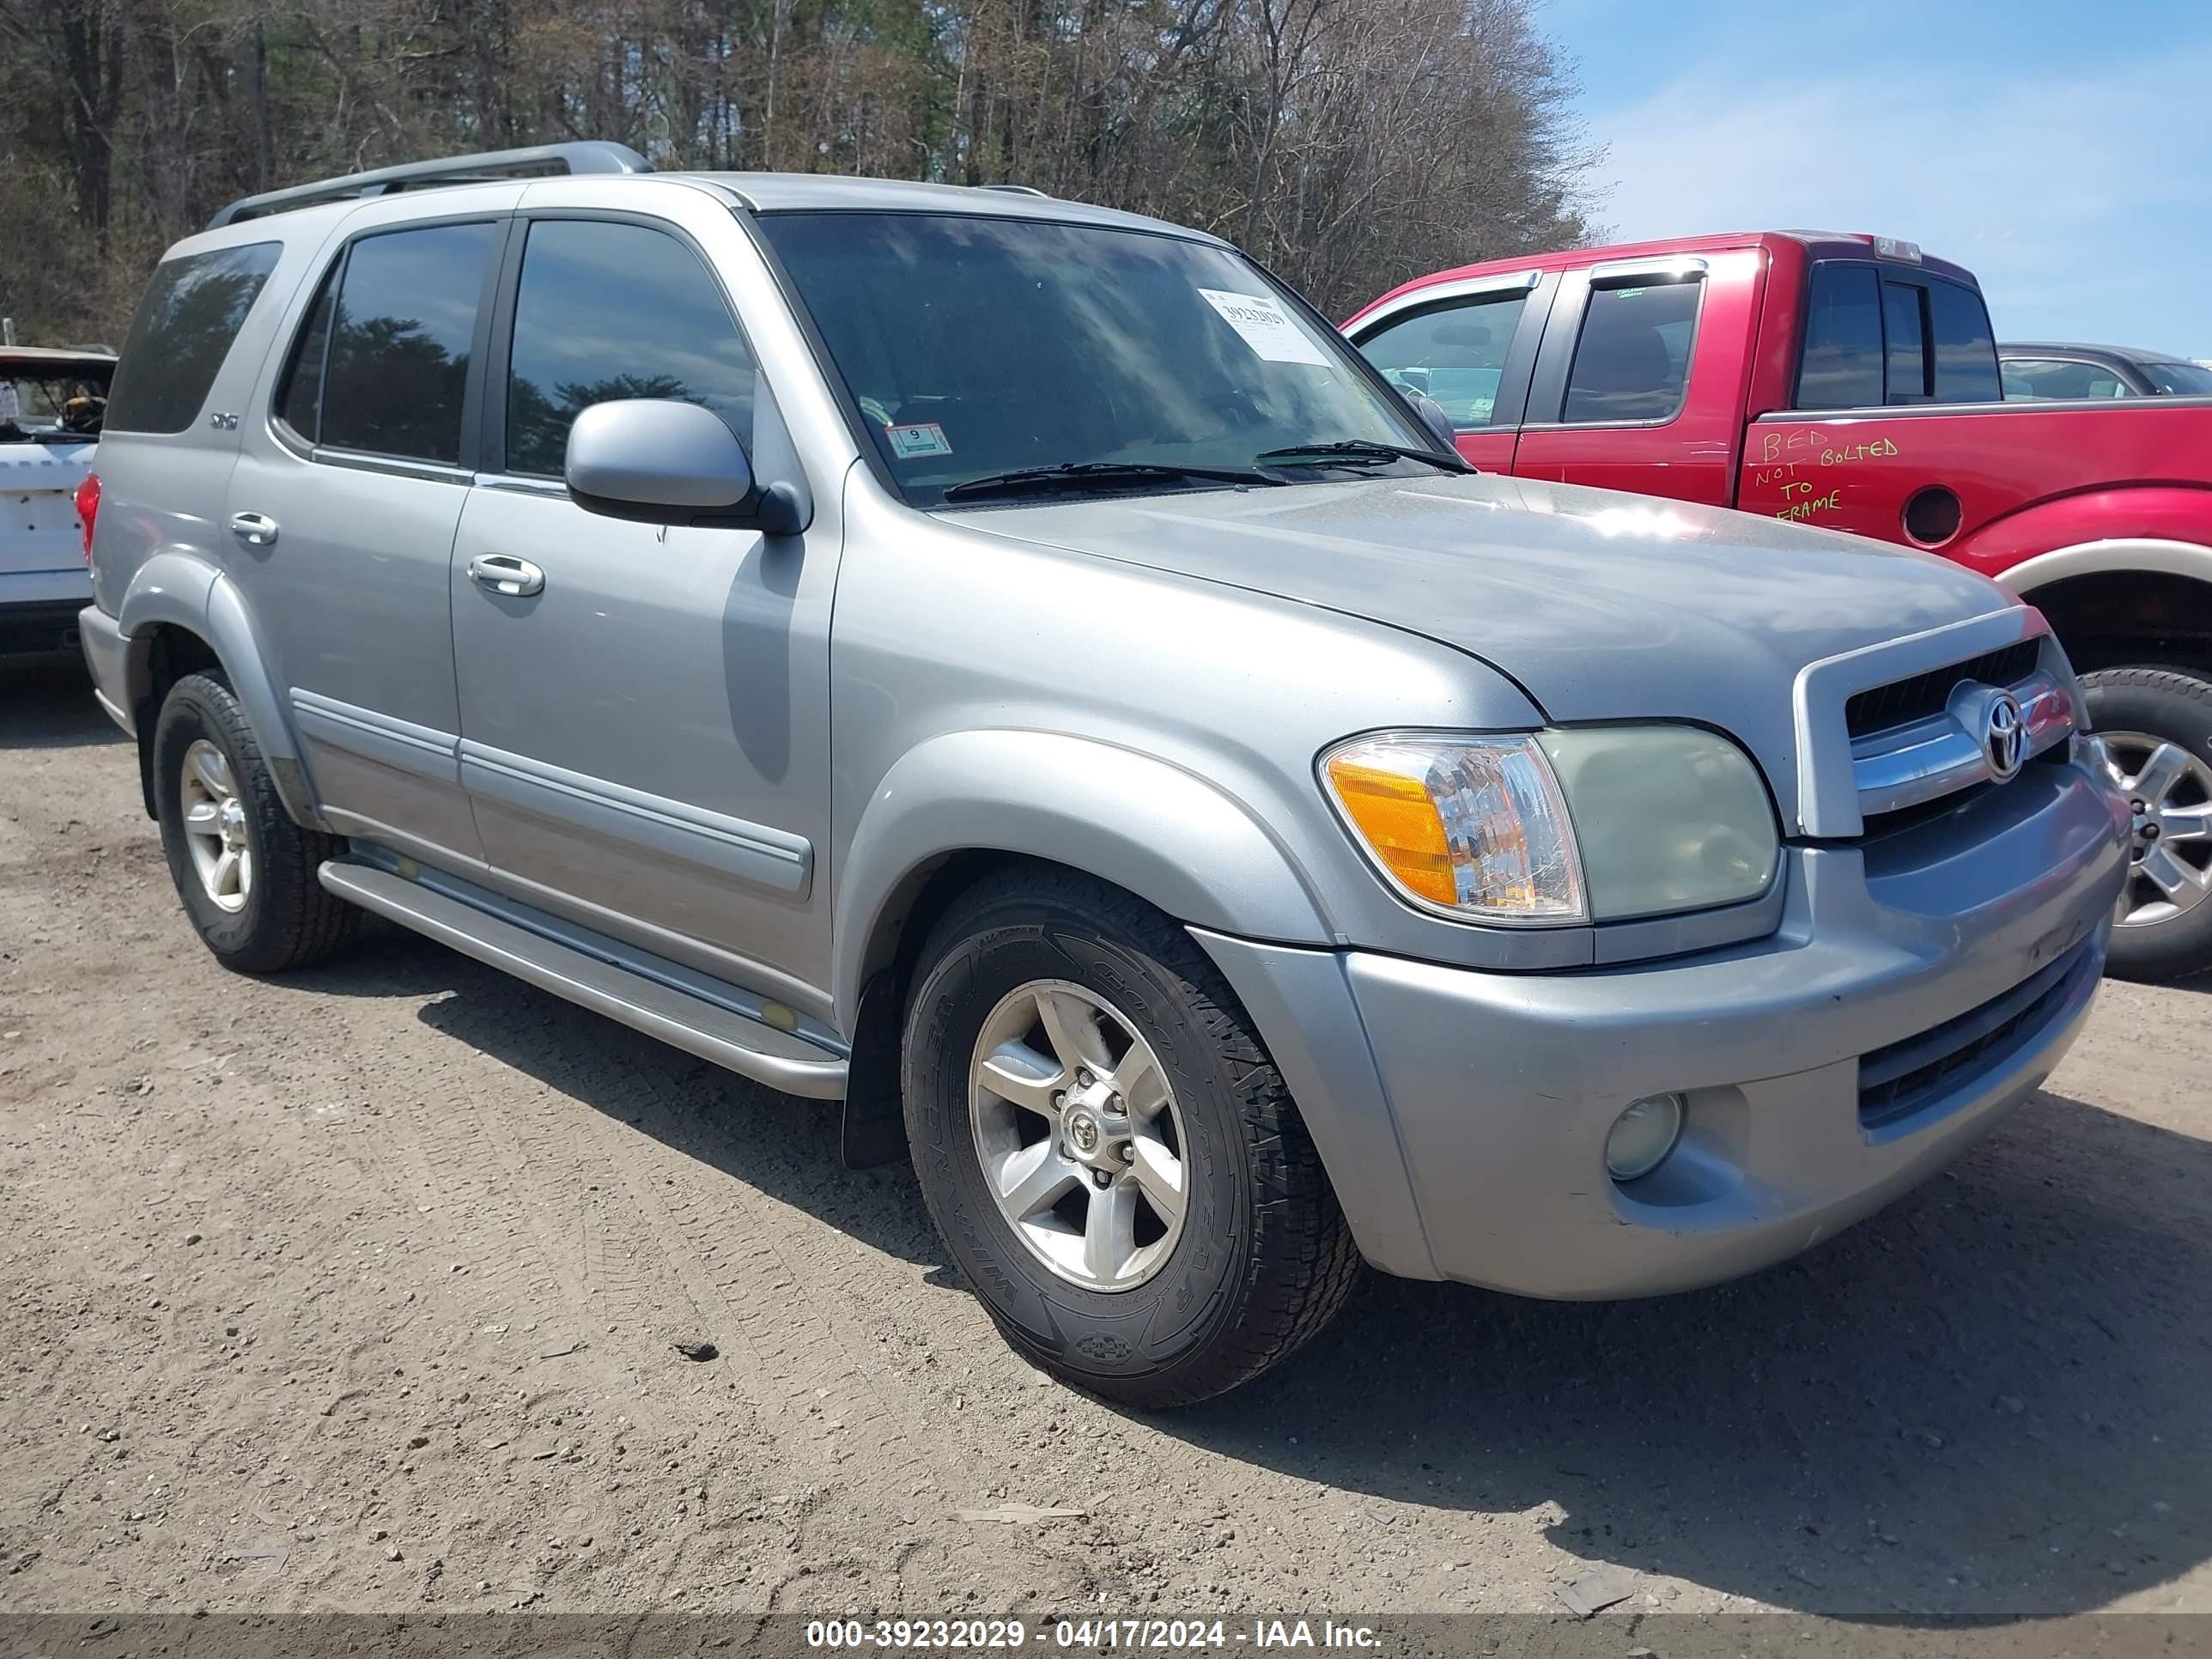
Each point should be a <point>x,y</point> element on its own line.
<point>60,403</point>
<point>976,347</point>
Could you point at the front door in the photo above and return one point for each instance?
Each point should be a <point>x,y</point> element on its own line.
<point>644,710</point>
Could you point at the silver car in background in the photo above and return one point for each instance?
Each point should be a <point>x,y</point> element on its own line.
<point>1009,665</point>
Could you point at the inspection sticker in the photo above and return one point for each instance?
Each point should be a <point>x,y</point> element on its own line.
<point>1265,327</point>
<point>926,438</point>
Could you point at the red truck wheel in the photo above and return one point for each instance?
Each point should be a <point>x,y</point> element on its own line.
<point>2157,728</point>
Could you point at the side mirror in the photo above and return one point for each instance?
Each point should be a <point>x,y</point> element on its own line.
<point>655,460</point>
<point>1433,417</point>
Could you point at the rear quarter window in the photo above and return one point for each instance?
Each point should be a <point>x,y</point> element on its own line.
<point>186,323</point>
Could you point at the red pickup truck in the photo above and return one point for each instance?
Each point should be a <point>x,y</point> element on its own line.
<point>1846,381</point>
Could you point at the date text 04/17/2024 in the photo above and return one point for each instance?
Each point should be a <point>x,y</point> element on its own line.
<point>1102,1634</point>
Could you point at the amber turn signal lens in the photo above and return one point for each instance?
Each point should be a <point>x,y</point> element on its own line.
<point>1395,816</point>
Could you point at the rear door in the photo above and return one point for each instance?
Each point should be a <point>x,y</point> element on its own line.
<point>1640,382</point>
<point>1471,346</point>
<point>342,512</point>
<point>1884,344</point>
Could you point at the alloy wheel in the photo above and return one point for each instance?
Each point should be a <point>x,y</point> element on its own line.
<point>2169,795</point>
<point>215,827</point>
<point>1079,1137</point>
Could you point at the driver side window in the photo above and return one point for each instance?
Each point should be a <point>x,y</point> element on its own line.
<point>1454,353</point>
<point>607,310</point>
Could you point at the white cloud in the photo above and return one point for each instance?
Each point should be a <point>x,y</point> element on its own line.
<point>2083,202</point>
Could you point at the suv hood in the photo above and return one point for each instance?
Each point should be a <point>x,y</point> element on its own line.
<point>1600,605</point>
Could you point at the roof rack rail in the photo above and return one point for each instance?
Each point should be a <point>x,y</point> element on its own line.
<point>1017,190</point>
<point>596,155</point>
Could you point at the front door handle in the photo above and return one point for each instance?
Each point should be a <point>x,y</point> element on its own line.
<point>502,573</point>
<point>254,529</point>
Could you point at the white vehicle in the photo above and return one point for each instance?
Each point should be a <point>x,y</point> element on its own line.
<point>52,401</point>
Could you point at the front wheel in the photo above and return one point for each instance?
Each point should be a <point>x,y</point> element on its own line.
<point>1110,1155</point>
<point>2156,725</point>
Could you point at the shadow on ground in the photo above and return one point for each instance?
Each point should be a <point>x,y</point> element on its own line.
<point>46,702</point>
<point>1992,1398</point>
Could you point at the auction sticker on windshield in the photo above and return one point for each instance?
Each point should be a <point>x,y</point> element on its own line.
<point>925,438</point>
<point>1265,327</point>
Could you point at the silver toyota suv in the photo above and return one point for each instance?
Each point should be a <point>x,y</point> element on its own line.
<point>1010,666</point>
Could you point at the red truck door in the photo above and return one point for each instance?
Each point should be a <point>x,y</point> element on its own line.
<point>1640,381</point>
<point>1882,342</point>
<point>1471,346</point>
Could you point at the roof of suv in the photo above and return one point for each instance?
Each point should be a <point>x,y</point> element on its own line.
<point>793,192</point>
<point>763,193</point>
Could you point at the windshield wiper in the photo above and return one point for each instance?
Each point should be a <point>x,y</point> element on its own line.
<point>1362,451</point>
<point>1084,475</point>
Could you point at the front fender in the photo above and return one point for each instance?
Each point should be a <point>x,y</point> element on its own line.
<point>1155,830</point>
<point>182,590</point>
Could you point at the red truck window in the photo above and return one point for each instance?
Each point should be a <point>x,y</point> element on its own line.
<point>1965,348</point>
<point>1873,335</point>
<point>1904,329</point>
<point>1633,361</point>
<point>1456,355</point>
<point>1842,366</point>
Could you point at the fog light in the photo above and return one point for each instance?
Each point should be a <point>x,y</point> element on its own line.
<point>1643,1135</point>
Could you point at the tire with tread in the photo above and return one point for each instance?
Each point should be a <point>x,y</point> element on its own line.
<point>1265,1260</point>
<point>2166,703</point>
<point>289,920</point>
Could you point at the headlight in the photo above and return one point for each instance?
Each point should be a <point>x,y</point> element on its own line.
<point>1472,825</point>
<point>1599,824</point>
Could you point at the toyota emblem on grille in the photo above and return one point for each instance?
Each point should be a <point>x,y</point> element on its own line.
<point>2004,736</point>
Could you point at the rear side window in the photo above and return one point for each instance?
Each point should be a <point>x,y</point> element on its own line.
<point>1842,366</point>
<point>608,311</point>
<point>1963,344</point>
<point>382,363</point>
<point>193,310</point>
<point>1455,354</point>
<point>1633,361</point>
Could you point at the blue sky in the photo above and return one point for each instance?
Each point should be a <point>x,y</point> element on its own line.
<point>2062,152</point>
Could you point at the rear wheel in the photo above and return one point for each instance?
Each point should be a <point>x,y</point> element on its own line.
<point>245,871</point>
<point>1110,1155</point>
<point>2156,725</point>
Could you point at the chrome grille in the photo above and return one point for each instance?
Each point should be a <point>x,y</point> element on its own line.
<point>1922,697</point>
<point>1932,743</point>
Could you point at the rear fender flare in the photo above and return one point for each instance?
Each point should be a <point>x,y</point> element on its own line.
<point>183,590</point>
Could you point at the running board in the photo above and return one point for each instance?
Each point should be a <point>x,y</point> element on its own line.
<point>728,1039</point>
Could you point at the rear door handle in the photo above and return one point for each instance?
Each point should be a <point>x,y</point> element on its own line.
<point>254,529</point>
<point>502,573</point>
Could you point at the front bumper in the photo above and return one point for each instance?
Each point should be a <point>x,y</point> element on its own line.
<point>1462,1115</point>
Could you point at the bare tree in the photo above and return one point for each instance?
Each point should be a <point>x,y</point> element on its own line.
<point>1349,144</point>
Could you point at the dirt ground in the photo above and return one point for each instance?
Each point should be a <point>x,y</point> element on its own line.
<point>360,1289</point>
